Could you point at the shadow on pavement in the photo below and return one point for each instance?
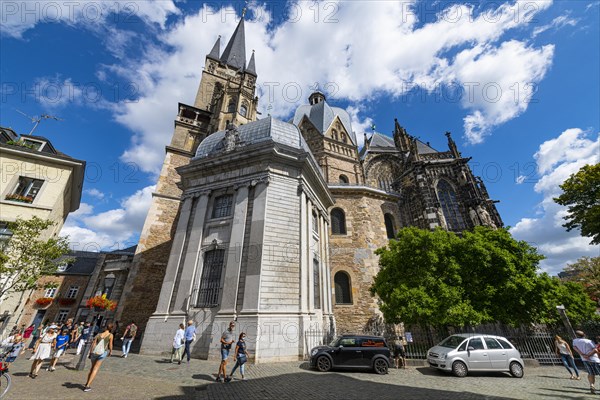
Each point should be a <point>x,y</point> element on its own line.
<point>555,393</point>
<point>488,374</point>
<point>71,385</point>
<point>314,386</point>
<point>204,377</point>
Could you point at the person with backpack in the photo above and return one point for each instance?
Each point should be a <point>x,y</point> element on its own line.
<point>102,347</point>
<point>241,356</point>
<point>128,337</point>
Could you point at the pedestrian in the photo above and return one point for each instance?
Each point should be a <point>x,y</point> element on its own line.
<point>35,336</point>
<point>564,351</point>
<point>15,350</point>
<point>178,343</point>
<point>399,353</point>
<point>62,342</point>
<point>43,350</point>
<point>102,346</point>
<point>28,331</point>
<point>85,334</point>
<point>241,356</point>
<point>586,349</point>
<point>226,342</point>
<point>128,337</point>
<point>190,336</point>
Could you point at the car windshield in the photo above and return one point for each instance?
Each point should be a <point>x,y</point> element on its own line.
<point>452,341</point>
<point>335,341</point>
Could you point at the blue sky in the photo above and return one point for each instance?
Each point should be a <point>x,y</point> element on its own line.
<point>517,83</point>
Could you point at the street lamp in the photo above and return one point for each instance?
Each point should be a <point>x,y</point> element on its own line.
<point>565,319</point>
<point>109,281</point>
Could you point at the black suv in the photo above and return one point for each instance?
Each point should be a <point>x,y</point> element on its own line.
<point>352,351</point>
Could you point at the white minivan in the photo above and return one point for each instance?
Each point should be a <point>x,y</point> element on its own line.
<point>465,352</point>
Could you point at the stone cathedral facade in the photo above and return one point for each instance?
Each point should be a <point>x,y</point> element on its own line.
<point>275,223</point>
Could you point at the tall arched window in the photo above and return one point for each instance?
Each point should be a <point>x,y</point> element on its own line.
<point>334,134</point>
<point>389,226</point>
<point>343,288</point>
<point>344,179</point>
<point>210,282</point>
<point>447,198</point>
<point>344,139</point>
<point>231,106</point>
<point>244,110</point>
<point>338,222</point>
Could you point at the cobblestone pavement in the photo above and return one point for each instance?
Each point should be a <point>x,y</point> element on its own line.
<point>145,377</point>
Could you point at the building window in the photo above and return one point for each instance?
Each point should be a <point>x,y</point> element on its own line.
<point>210,282</point>
<point>222,206</point>
<point>26,190</point>
<point>334,134</point>
<point>33,144</point>
<point>62,316</point>
<point>231,106</point>
<point>344,139</point>
<point>449,204</point>
<point>343,292</point>
<point>5,235</point>
<point>50,292</point>
<point>244,110</point>
<point>315,223</point>
<point>389,226</point>
<point>338,222</point>
<point>316,284</point>
<point>72,293</point>
<point>344,180</point>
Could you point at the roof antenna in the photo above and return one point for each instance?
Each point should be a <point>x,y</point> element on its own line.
<point>36,120</point>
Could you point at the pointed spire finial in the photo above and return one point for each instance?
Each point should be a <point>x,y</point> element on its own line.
<point>244,9</point>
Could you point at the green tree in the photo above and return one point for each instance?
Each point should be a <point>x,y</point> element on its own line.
<point>581,194</point>
<point>26,257</point>
<point>485,275</point>
<point>585,272</point>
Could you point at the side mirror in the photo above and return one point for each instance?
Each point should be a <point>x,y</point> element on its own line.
<point>470,348</point>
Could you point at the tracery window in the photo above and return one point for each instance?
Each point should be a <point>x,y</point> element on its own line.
<point>447,198</point>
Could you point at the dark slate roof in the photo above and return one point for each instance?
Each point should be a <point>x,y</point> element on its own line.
<point>251,67</point>
<point>128,250</point>
<point>214,53</point>
<point>266,129</point>
<point>425,148</point>
<point>381,140</point>
<point>84,264</point>
<point>321,115</point>
<point>235,52</point>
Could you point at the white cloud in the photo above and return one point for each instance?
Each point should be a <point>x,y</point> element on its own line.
<point>557,23</point>
<point>94,193</point>
<point>387,57</point>
<point>19,17</point>
<point>520,179</point>
<point>556,160</point>
<point>112,229</point>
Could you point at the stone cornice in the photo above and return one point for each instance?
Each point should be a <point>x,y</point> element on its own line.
<point>171,149</point>
<point>165,196</point>
<point>364,190</point>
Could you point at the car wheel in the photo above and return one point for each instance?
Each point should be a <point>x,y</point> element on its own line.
<point>459,369</point>
<point>380,366</point>
<point>516,369</point>
<point>323,364</point>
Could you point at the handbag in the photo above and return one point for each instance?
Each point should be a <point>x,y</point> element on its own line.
<point>242,359</point>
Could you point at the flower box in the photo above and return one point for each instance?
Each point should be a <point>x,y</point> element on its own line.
<point>66,301</point>
<point>19,198</point>
<point>101,303</point>
<point>44,301</point>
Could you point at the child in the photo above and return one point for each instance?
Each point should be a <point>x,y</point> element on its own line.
<point>16,349</point>
<point>62,341</point>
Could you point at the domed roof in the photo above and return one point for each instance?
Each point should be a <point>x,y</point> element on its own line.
<point>321,115</point>
<point>267,129</point>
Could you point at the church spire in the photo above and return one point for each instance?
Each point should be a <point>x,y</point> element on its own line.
<point>214,53</point>
<point>235,52</point>
<point>251,67</point>
<point>452,146</point>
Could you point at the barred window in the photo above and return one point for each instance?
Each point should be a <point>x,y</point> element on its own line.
<point>343,292</point>
<point>338,222</point>
<point>222,206</point>
<point>389,226</point>
<point>317,284</point>
<point>210,282</point>
<point>447,199</point>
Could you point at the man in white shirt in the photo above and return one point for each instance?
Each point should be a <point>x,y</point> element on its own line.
<point>589,357</point>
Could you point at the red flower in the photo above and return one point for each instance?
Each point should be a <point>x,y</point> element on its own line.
<point>101,302</point>
<point>44,301</point>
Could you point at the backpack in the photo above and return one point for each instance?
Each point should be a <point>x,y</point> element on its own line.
<point>100,347</point>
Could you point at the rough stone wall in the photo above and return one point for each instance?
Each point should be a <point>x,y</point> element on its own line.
<point>354,254</point>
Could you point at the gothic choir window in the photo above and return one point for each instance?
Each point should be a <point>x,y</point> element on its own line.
<point>231,106</point>
<point>338,222</point>
<point>343,292</point>
<point>344,180</point>
<point>210,282</point>
<point>449,204</point>
<point>389,226</point>
<point>316,284</point>
<point>222,206</point>
<point>244,110</point>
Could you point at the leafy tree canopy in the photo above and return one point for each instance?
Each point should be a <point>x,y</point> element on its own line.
<point>440,278</point>
<point>581,194</point>
<point>26,257</point>
<point>586,273</point>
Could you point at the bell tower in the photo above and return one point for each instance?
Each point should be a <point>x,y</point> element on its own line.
<point>228,84</point>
